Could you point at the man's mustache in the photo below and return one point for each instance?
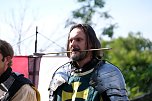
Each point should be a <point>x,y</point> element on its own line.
<point>76,49</point>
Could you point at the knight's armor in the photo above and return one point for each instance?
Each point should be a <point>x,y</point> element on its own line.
<point>60,76</point>
<point>106,78</point>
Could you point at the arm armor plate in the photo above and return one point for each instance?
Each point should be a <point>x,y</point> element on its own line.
<point>108,78</point>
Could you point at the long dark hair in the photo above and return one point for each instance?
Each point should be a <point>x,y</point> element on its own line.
<point>91,37</point>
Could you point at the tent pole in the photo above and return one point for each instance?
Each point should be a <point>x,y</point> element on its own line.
<point>36,40</point>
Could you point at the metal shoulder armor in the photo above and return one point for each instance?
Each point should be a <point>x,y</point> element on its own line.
<point>60,76</point>
<point>108,78</point>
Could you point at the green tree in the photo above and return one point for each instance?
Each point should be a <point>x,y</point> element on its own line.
<point>91,12</point>
<point>134,57</point>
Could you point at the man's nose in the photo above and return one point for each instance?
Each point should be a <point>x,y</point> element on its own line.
<point>73,43</point>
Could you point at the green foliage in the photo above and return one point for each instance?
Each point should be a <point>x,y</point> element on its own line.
<point>88,11</point>
<point>99,3</point>
<point>109,31</point>
<point>133,55</point>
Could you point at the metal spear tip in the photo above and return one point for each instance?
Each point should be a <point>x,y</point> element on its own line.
<point>39,54</point>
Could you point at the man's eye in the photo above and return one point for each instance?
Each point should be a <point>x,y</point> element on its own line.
<point>70,41</point>
<point>78,39</point>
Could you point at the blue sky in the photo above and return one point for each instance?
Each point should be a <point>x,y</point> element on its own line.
<point>50,16</point>
<point>132,15</point>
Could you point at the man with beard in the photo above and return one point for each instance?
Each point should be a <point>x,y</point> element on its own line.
<point>86,77</point>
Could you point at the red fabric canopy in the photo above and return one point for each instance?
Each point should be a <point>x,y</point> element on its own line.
<point>27,65</point>
<point>20,65</point>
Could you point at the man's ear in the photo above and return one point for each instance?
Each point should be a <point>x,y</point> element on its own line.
<point>8,59</point>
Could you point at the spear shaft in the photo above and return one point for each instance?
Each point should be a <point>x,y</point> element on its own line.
<point>99,49</point>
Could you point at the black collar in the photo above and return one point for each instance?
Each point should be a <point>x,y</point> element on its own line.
<point>5,75</point>
<point>88,66</point>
